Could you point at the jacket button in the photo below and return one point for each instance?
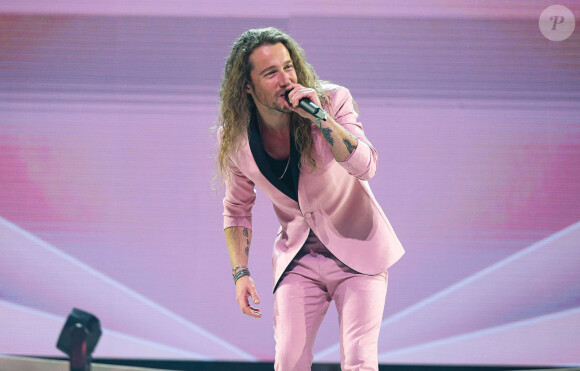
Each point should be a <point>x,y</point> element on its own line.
<point>307,215</point>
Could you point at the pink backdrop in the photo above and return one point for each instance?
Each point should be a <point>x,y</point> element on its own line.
<point>106,161</point>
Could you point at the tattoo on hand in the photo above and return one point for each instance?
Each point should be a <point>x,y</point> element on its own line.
<point>349,146</point>
<point>326,132</point>
<point>248,251</point>
<point>246,232</point>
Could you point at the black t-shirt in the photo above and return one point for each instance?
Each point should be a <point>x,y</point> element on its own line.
<point>272,168</point>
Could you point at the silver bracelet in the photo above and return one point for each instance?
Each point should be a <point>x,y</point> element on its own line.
<point>238,267</point>
<point>241,273</point>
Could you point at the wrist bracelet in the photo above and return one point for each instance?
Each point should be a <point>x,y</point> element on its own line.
<point>238,267</point>
<point>241,273</point>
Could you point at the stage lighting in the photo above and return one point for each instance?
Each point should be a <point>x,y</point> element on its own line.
<point>78,339</point>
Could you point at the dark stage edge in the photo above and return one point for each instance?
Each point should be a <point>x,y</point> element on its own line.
<point>269,366</point>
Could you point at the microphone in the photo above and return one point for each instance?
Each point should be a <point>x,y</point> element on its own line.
<point>309,107</point>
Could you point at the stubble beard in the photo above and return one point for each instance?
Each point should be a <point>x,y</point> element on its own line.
<point>273,106</point>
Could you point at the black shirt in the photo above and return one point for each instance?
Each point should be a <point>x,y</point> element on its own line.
<point>272,168</point>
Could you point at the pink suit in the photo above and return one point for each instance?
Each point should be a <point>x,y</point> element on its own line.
<point>335,202</point>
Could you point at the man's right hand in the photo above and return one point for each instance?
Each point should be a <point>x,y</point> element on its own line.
<point>245,291</point>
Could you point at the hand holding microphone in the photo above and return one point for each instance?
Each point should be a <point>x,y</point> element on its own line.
<point>309,107</point>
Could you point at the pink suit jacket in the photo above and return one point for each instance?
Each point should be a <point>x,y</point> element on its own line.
<point>334,200</point>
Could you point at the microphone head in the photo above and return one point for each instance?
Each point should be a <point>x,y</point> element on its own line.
<point>286,95</point>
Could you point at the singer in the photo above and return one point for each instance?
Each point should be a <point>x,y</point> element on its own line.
<point>335,242</point>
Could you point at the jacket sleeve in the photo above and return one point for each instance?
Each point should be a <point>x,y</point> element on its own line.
<point>362,162</point>
<point>240,195</point>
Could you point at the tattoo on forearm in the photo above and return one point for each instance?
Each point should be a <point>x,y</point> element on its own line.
<point>326,132</point>
<point>349,146</point>
<point>247,234</point>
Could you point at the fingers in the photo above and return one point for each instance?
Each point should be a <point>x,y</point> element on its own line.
<point>254,295</point>
<point>298,92</point>
<point>247,290</point>
<point>249,310</point>
<point>252,311</point>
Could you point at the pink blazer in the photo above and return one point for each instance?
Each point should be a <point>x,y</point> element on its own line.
<point>334,200</point>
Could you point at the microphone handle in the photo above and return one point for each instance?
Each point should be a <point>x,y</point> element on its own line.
<point>308,106</point>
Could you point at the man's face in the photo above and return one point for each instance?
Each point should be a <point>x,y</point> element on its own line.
<point>272,75</point>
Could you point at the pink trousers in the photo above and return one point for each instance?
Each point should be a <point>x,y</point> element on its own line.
<point>313,280</point>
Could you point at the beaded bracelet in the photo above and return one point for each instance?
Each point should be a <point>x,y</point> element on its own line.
<point>241,273</point>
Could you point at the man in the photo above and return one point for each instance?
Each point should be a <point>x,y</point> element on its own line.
<point>334,242</point>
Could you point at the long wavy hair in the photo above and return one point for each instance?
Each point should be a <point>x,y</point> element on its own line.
<point>236,104</point>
